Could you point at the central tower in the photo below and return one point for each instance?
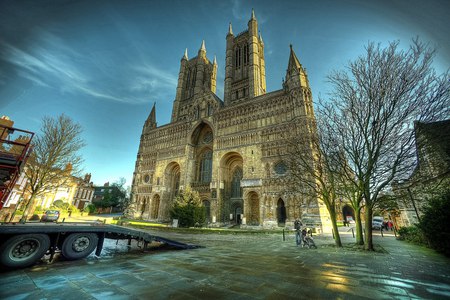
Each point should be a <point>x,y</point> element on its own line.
<point>245,74</point>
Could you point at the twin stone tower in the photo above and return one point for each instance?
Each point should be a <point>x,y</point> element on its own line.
<point>231,151</point>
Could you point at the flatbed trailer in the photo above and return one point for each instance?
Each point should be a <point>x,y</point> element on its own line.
<point>23,244</point>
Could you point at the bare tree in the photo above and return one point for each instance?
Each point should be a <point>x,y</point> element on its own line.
<point>372,110</point>
<point>54,158</point>
<point>311,160</point>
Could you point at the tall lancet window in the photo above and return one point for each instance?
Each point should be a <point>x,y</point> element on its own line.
<point>236,191</point>
<point>206,167</point>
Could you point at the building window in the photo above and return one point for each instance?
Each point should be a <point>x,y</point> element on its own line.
<point>210,109</point>
<point>236,191</point>
<point>197,112</point>
<point>237,94</point>
<point>280,168</point>
<point>246,55</point>
<point>238,57</point>
<point>206,167</point>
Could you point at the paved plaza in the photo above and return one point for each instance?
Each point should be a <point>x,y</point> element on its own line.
<point>239,266</point>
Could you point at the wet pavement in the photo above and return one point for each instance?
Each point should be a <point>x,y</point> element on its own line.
<point>239,266</point>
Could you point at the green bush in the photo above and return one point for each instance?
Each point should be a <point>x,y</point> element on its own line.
<point>412,234</point>
<point>59,204</point>
<point>188,209</point>
<point>90,208</point>
<point>34,217</point>
<point>434,222</point>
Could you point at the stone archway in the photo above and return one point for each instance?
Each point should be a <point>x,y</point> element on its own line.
<point>231,174</point>
<point>281,212</point>
<point>253,209</point>
<point>143,206</point>
<point>154,211</point>
<point>171,190</point>
<point>347,211</point>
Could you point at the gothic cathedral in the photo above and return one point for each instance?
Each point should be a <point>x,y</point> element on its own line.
<point>230,150</point>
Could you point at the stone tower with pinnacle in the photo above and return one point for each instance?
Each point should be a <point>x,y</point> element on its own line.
<point>245,75</point>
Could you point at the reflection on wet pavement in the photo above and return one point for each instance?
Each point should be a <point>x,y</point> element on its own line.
<point>250,266</point>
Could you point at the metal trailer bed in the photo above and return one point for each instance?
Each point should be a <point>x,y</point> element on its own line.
<point>21,244</point>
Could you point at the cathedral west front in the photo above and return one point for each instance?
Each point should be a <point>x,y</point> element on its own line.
<point>230,150</point>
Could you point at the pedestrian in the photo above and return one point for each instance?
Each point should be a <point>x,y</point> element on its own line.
<point>298,225</point>
<point>390,225</point>
<point>304,233</point>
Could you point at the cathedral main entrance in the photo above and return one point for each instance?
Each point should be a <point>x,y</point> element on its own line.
<point>281,212</point>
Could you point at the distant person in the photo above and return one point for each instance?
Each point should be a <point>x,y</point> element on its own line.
<point>390,225</point>
<point>304,233</point>
<point>298,226</point>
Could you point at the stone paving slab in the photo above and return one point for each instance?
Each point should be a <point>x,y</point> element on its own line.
<point>243,266</point>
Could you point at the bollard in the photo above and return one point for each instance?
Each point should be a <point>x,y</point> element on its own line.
<point>353,233</point>
<point>284,238</point>
<point>104,221</point>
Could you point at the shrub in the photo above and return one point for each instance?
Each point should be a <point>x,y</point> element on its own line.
<point>434,222</point>
<point>35,217</point>
<point>412,234</point>
<point>90,208</point>
<point>188,209</point>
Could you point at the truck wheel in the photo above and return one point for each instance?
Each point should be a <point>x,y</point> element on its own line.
<point>23,250</point>
<point>79,245</point>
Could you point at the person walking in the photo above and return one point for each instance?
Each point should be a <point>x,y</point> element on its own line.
<point>298,225</point>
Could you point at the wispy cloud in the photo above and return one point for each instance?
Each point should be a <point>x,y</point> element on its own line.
<point>52,64</point>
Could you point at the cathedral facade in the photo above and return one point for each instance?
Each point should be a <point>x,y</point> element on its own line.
<point>231,151</point>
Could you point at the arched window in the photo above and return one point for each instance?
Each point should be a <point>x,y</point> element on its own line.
<point>206,167</point>
<point>236,191</point>
<point>197,112</point>
<point>280,168</point>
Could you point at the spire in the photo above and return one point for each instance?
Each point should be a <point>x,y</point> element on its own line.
<point>294,63</point>
<point>202,51</point>
<point>260,38</point>
<point>295,74</point>
<point>185,56</point>
<point>215,60</point>
<point>153,113</point>
<point>230,29</point>
<point>151,120</point>
<point>203,48</point>
<point>253,15</point>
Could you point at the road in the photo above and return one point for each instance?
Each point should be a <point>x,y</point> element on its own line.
<point>239,266</point>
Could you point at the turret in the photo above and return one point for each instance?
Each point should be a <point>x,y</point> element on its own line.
<point>151,120</point>
<point>244,65</point>
<point>228,66</point>
<point>181,79</point>
<point>295,74</point>
<point>200,67</point>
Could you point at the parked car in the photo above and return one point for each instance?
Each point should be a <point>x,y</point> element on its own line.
<point>50,216</point>
<point>377,222</point>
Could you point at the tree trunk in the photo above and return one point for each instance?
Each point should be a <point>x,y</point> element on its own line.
<point>359,229</point>
<point>337,237</point>
<point>29,208</point>
<point>368,228</point>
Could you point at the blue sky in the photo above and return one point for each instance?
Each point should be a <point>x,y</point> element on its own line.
<point>104,63</point>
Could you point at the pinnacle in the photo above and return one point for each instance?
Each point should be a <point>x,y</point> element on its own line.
<point>203,48</point>
<point>230,30</point>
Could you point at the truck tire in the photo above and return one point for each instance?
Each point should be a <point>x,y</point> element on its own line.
<point>79,245</point>
<point>23,250</point>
